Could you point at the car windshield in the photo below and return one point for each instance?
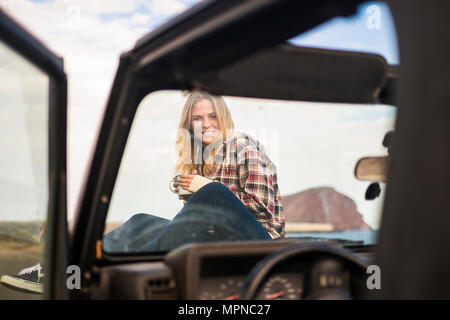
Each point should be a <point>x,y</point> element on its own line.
<point>313,147</point>
<point>310,150</point>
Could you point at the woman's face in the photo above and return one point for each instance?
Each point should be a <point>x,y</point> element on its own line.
<point>204,121</point>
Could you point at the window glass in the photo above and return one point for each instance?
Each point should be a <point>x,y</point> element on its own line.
<point>148,162</point>
<point>23,166</point>
<point>371,30</point>
<point>314,147</point>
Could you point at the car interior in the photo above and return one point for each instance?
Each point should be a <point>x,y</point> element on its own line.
<point>240,50</point>
<point>267,68</point>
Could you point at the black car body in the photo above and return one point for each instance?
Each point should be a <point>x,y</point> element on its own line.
<point>247,35</point>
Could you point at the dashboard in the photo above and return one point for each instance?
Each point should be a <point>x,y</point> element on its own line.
<point>282,286</point>
<point>222,278</point>
<point>220,271</point>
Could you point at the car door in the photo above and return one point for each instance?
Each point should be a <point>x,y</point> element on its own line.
<point>33,227</point>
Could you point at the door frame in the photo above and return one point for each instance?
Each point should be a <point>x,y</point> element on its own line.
<point>56,236</point>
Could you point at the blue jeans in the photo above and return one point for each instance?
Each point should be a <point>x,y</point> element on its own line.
<point>213,213</point>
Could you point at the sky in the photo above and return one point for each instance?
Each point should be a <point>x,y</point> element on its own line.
<point>91,34</point>
<point>370,30</point>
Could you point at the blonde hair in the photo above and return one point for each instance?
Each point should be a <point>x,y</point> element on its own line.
<point>185,153</point>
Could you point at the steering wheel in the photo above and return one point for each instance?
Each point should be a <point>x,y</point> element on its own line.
<point>324,261</point>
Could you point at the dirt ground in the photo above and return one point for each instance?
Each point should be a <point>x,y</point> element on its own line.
<point>16,255</point>
<point>19,249</point>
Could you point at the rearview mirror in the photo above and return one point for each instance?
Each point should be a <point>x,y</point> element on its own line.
<point>372,169</point>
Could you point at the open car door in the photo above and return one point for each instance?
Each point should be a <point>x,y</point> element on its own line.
<point>33,222</point>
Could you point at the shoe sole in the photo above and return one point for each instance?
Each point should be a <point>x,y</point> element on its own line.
<point>22,285</point>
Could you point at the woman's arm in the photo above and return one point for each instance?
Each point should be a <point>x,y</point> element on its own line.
<point>193,182</point>
<point>261,195</point>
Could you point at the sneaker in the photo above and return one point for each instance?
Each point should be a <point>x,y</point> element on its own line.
<point>29,280</point>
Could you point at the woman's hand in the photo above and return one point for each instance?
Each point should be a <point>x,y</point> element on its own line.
<point>184,181</point>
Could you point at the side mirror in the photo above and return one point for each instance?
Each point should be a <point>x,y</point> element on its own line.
<point>373,191</point>
<point>374,169</point>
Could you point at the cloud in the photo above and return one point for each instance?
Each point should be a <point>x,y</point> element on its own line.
<point>90,35</point>
<point>140,19</point>
<point>166,7</point>
<point>108,6</point>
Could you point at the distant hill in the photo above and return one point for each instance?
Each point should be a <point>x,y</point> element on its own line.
<point>323,205</point>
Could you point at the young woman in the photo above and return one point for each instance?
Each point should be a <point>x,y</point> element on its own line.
<point>235,194</point>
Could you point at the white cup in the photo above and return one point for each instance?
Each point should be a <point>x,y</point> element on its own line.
<point>183,193</point>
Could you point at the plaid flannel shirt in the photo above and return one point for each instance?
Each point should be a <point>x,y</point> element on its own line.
<point>241,164</point>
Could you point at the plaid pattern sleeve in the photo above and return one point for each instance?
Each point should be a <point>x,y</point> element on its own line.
<point>259,188</point>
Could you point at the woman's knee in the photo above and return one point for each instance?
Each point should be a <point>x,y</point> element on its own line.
<point>143,220</point>
<point>138,217</point>
<point>214,192</point>
<point>215,188</point>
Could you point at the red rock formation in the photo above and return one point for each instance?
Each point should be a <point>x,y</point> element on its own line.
<point>323,205</point>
